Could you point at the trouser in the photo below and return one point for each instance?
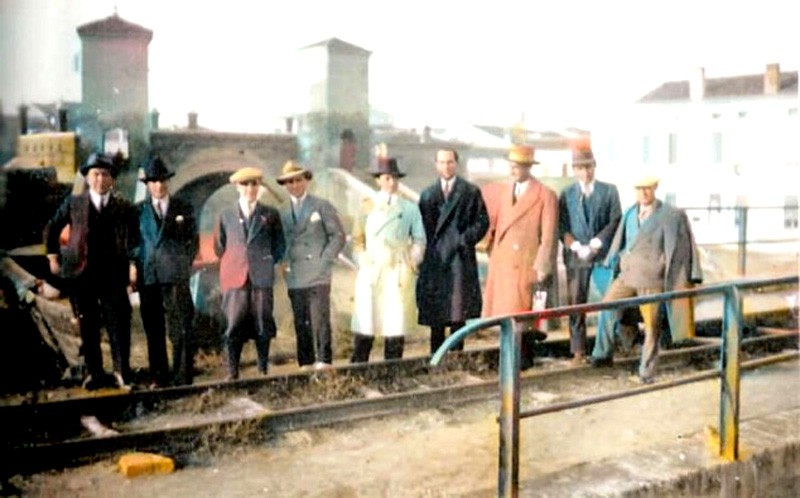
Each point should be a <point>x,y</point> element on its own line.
<point>311,307</point>
<point>167,309</point>
<point>98,304</point>
<point>246,307</point>
<point>362,346</point>
<point>604,341</point>
<point>578,279</point>
<point>438,335</point>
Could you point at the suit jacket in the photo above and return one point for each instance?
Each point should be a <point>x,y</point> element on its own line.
<point>74,211</point>
<point>448,288</point>
<point>314,240</point>
<point>604,212</point>
<point>663,254</point>
<point>168,246</point>
<point>522,240</point>
<point>248,249</point>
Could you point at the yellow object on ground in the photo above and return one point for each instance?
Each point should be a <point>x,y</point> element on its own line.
<point>136,464</point>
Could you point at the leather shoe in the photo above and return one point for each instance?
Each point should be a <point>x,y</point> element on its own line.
<point>602,362</point>
<point>120,381</point>
<point>90,384</point>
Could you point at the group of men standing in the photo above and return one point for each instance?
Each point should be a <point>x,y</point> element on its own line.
<point>416,262</point>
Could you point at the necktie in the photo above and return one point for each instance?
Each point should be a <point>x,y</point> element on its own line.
<point>585,205</point>
<point>446,190</point>
<point>514,195</point>
<point>295,210</point>
<point>159,210</point>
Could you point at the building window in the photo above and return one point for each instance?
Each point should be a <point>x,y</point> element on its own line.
<point>672,150</point>
<point>646,149</point>
<point>716,147</point>
<point>790,212</point>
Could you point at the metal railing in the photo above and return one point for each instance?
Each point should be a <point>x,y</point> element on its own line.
<point>512,326</point>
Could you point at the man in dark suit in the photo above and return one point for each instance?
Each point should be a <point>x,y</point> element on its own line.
<point>314,238</point>
<point>589,212</point>
<point>99,260</point>
<point>249,241</point>
<point>455,219</point>
<point>169,245</point>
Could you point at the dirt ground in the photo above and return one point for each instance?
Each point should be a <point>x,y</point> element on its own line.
<point>439,453</point>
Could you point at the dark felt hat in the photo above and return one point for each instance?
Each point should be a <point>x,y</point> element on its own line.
<point>98,160</point>
<point>387,166</point>
<point>156,171</point>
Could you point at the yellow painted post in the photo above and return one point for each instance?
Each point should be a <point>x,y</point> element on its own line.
<point>730,375</point>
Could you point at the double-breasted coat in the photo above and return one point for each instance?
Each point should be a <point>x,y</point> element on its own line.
<point>448,288</point>
<point>522,242</point>
<point>389,243</point>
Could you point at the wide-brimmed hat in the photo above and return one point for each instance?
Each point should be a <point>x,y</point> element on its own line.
<point>387,166</point>
<point>522,154</point>
<point>646,181</point>
<point>582,155</point>
<point>247,173</point>
<point>99,160</point>
<point>292,169</point>
<point>156,171</point>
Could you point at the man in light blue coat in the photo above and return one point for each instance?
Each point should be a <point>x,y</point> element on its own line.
<point>314,238</point>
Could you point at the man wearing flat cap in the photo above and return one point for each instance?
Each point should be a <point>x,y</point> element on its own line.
<point>314,238</point>
<point>652,251</point>
<point>389,244</point>
<point>589,212</point>
<point>99,260</point>
<point>169,245</point>
<point>522,241</point>
<point>249,241</point>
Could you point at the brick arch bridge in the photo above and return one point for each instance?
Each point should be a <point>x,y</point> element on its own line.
<point>203,161</point>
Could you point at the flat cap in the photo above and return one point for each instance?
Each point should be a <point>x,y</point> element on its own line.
<point>247,173</point>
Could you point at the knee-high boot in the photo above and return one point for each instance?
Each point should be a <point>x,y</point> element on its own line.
<point>393,347</point>
<point>362,346</point>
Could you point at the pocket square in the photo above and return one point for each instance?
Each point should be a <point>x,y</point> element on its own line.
<point>314,217</point>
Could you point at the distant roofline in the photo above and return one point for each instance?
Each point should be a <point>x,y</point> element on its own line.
<point>114,26</point>
<point>741,86</point>
<point>336,43</point>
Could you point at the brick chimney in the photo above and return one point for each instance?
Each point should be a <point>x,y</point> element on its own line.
<point>63,124</point>
<point>697,84</point>
<point>772,79</point>
<point>154,114</point>
<point>192,120</point>
<point>23,119</point>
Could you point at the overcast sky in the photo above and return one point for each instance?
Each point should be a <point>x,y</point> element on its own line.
<point>559,63</point>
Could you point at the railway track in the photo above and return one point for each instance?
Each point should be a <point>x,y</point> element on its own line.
<point>180,421</point>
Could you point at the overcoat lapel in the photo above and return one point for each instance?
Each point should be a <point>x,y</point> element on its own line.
<point>449,205</point>
<point>528,199</point>
<point>256,222</point>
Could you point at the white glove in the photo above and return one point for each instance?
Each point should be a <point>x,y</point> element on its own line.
<point>575,247</point>
<point>596,244</point>
<point>584,252</point>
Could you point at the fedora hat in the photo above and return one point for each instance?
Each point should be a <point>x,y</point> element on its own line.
<point>247,173</point>
<point>387,166</point>
<point>582,154</point>
<point>156,171</point>
<point>521,154</point>
<point>646,181</point>
<point>99,160</point>
<point>292,169</point>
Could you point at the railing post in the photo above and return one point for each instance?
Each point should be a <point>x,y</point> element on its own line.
<point>510,344</point>
<point>742,217</point>
<point>730,375</point>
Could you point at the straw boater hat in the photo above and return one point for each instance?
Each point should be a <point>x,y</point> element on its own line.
<point>387,166</point>
<point>291,170</point>
<point>646,181</point>
<point>521,154</point>
<point>156,171</point>
<point>98,160</point>
<point>247,173</point>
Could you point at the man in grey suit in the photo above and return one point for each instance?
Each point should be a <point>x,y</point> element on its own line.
<point>589,212</point>
<point>314,238</point>
<point>653,251</point>
<point>249,241</point>
<point>168,247</point>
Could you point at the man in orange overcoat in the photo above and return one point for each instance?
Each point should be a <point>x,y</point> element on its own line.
<point>522,238</point>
